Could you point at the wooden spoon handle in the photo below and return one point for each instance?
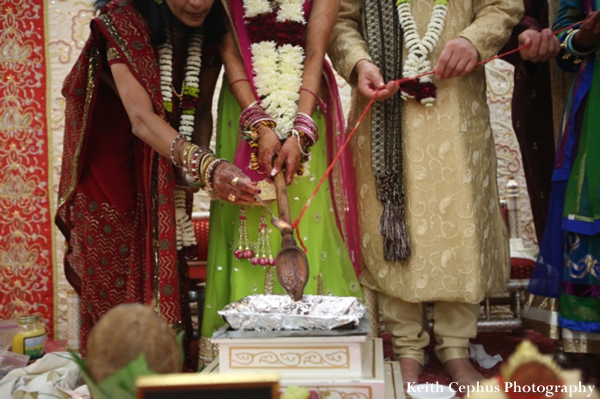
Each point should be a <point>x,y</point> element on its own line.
<point>282,198</point>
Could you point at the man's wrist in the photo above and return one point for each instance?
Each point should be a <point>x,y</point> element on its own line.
<point>362,63</point>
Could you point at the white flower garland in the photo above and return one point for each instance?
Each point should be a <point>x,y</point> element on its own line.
<point>184,228</point>
<point>289,10</point>
<point>191,80</point>
<point>278,78</point>
<point>419,48</point>
<point>278,69</point>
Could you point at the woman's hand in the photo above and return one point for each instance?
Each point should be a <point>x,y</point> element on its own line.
<point>588,36</point>
<point>543,46</point>
<point>269,145</point>
<point>289,156</point>
<point>232,185</point>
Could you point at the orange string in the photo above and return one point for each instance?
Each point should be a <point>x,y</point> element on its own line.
<point>296,223</point>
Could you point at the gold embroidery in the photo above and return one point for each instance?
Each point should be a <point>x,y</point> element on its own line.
<point>91,86</point>
<point>119,40</point>
<point>112,54</point>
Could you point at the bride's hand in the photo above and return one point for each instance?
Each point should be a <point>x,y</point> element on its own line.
<point>232,185</point>
<point>289,156</point>
<point>269,146</point>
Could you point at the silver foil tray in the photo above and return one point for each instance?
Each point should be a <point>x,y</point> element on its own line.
<point>362,329</point>
<point>280,313</point>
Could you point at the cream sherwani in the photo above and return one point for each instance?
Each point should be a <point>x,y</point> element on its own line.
<point>458,238</point>
<point>459,241</point>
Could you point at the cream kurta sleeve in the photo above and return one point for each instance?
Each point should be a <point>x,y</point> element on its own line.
<point>494,20</point>
<point>347,45</point>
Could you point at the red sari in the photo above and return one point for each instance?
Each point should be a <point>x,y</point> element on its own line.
<point>116,195</point>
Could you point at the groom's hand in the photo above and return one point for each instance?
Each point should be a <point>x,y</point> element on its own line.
<point>370,80</point>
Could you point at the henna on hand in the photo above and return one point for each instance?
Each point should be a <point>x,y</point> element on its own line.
<point>269,146</point>
<point>240,191</point>
<point>289,157</point>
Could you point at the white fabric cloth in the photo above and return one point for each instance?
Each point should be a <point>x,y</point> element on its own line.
<point>54,375</point>
<point>479,355</point>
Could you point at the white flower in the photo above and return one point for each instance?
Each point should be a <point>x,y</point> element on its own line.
<point>184,228</point>
<point>291,10</point>
<point>278,78</point>
<point>256,7</point>
<point>419,48</point>
<point>185,234</point>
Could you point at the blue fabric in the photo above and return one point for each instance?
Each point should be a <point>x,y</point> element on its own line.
<point>557,245</point>
<point>589,327</point>
<point>582,227</point>
<point>546,278</point>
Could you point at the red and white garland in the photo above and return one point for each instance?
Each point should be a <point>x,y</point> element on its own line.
<point>288,10</point>
<point>278,68</point>
<point>191,90</point>
<point>424,90</point>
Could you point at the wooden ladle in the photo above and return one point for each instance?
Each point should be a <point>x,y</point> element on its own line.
<point>291,264</point>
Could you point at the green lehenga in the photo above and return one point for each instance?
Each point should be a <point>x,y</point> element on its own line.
<point>229,278</point>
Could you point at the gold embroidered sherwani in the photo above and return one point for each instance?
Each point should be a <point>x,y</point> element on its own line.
<point>459,241</point>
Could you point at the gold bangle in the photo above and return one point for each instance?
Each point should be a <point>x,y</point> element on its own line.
<point>189,149</point>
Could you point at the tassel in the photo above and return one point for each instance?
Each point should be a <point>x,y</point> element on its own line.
<point>269,281</point>
<point>392,227</point>
<point>320,290</point>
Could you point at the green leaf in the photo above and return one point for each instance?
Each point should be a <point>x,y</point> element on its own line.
<point>119,385</point>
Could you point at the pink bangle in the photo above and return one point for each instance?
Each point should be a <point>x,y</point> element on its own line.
<point>235,81</point>
<point>321,106</point>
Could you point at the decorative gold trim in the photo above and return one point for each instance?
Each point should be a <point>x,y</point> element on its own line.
<point>174,380</point>
<point>106,21</point>
<point>343,393</point>
<point>296,357</point>
<point>50,169</point>
<point>92,70</point>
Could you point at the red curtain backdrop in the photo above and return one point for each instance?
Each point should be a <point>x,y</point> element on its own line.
<point>26,232</point>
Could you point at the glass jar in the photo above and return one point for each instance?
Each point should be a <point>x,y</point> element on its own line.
<point>31,337</point>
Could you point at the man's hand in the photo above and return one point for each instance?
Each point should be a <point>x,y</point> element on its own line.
<point>370,80</point>
<point>544,46</point>
<point>457,59</point>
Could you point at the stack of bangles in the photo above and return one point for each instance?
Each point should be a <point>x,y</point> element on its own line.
<point>304,127</point>
<point>567,44</point>
<point>251,119</point>
<point>198,163</point>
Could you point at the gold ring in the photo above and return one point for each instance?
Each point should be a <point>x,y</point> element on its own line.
<point>235,181</point>
<point>231,198</point>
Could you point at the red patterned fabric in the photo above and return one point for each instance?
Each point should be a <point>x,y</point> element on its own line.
<point>201,230</point>
<point>26,245</point>
<point>116,195</point>
<point>521,268</point>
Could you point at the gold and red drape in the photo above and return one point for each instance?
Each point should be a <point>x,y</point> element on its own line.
<point>26,228</point>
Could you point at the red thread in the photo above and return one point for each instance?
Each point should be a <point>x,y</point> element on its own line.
<point>235,81</point>
<point>321,106</point>
<point>296,223</point>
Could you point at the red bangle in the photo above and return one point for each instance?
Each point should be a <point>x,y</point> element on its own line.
<point>235,81</point>
<point>321,106</point>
